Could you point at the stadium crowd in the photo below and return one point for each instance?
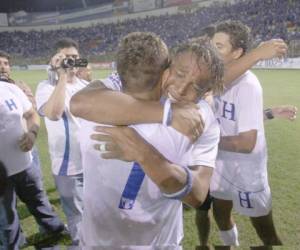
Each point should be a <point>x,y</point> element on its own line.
<point>267,19</point>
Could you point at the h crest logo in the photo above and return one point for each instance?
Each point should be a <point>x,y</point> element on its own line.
<point>11,104</point>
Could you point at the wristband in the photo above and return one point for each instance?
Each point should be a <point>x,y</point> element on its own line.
<point>187,188</point>
<point>269,114</point>
<point>167,116</point>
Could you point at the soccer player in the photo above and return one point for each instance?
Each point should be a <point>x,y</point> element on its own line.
<point>266,50</point>
<point>27,185</point>
<point>240,180</point>
<point>52,97</point>
<point>23,178</point>
<point>139,203</point>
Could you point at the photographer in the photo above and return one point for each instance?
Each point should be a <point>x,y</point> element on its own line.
<point>53,97</point>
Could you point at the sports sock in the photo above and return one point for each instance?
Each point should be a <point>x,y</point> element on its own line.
<point>230,237</point>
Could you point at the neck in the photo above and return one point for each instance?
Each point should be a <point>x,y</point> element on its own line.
<point>151,95</point>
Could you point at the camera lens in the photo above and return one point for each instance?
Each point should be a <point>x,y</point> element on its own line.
<point>68,63</point>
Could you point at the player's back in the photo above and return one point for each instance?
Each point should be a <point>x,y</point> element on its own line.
<point>122,205</point>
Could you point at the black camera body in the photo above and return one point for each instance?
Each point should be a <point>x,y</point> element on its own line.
<point>74,63</point>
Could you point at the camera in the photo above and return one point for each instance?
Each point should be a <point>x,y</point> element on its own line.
<point>73,63</point>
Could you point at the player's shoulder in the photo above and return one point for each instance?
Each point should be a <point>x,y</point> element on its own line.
<point>44,85</point>
<point>205,110</point>
<point>8,87</point>
<point>113,81</point>
<point>249,79</point>
<point>207,115</point>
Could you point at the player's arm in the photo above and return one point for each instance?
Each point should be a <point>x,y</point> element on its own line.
<point>102,105</point>
<point>54,107</point>
<point>288,112</point>
<point>266,50</point>
<point>242,143</point>
<point>32,119</point>
<point>99,104</point>
<point>125,144</point>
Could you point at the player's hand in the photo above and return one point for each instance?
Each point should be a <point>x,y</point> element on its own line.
<point>26,142</point>
<point>187,120</point>
<point>288,112</point>
<point>271,49</point>
<point>121,143</point>
<point>56,62</point>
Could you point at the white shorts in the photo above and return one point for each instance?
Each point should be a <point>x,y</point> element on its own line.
<point>249,203</point>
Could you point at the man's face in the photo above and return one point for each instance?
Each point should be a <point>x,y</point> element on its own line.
<point>186,80</point>
<point>222,42</point>
<point>71,52</point>
<point>4,67</point>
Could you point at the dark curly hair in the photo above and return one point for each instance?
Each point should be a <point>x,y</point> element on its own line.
<point>239,34</point>
<point>141,59</point>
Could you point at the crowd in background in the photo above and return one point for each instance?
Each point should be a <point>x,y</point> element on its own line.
<point>268,19</point>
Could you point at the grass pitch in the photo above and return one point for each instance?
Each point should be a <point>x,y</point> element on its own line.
<point>283,137</point>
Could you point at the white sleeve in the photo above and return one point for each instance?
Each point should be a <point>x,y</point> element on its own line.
<point>43,93</point>
<point>249,107</point>
<point>113,82</point>
<point>26,104</point>
<point>204,150</point>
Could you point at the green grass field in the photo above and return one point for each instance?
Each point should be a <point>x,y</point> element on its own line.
<point>280,87</point>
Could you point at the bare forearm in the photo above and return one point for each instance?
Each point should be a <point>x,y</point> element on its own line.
<point>201,182</point>
<point>170,178</point>
<point>115,108</point>
<point>167,176</point>
<point>235,144</point>
<point>266,50</point>
<point>55,106</point>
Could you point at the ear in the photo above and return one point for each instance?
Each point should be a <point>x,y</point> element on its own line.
<point>237,53</point>
<point>164,78</point>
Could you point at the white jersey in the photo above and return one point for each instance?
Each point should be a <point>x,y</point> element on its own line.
<point>240,109</point>
<point>122,206</point>
<point>13,104</point>
<point>62,134</point>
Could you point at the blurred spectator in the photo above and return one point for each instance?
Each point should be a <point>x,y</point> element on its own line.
<point>267,18</point>
<point>24,177</point>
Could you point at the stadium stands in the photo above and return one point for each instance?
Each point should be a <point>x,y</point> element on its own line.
<point>267,18</point>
